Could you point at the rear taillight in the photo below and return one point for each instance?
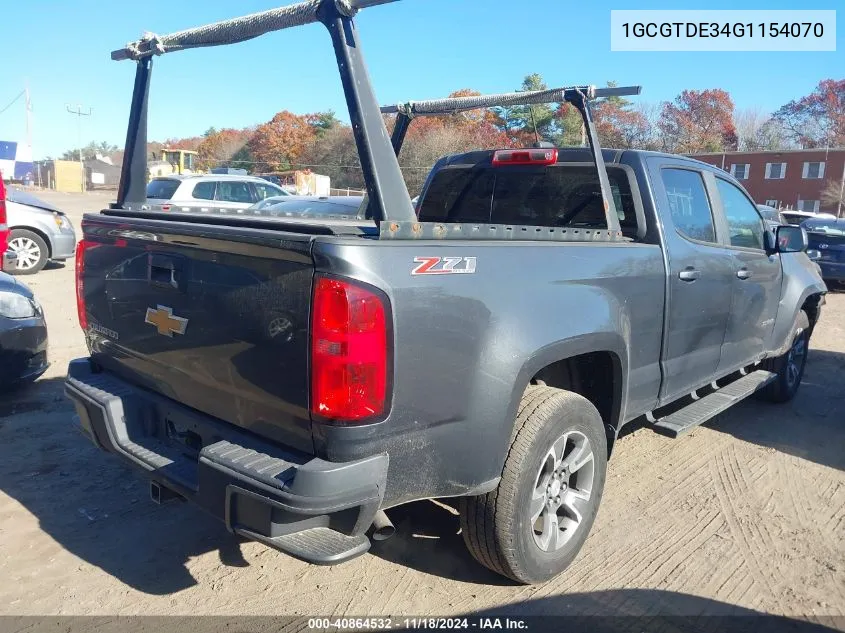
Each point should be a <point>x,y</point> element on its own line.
<point>504,157</point>
<point>80,289</point>
<point>349,352</point>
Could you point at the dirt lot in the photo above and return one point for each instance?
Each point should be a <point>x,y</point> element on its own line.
<point>748,510</point>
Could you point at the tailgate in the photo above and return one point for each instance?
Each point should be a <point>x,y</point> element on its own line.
<point>214,317</point>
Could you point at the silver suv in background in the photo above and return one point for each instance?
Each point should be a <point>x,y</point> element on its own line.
<point>209,193</point>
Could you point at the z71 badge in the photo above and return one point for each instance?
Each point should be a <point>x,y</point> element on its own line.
<point>443,265</point>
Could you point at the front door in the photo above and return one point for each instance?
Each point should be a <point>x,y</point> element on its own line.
<point>757,278</point>
<point>700,280</point>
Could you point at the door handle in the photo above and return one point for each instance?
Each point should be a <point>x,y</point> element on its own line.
<point>689,274</point>
<point>743,273</point>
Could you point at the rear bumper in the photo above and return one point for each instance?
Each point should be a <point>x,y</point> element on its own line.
<point>312,509</point>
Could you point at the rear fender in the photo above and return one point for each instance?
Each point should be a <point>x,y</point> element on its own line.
<point>611,342</point>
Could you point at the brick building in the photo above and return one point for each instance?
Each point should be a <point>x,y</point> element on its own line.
<point>785,178</point>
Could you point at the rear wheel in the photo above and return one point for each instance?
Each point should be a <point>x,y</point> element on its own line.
<point>31,250</point>
<point>533,525</point>
<point>789,368</point>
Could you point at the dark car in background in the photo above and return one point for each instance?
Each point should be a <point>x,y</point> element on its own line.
<point>827,236</point>
<point>23,334</point>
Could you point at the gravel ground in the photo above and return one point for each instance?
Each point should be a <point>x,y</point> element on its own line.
<point>747,511</point>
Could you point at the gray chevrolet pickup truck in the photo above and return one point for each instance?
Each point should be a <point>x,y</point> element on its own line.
<point>298,377</point>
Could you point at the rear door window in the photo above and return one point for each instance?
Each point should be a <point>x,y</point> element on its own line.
<point>162,189</point>
<point>234,191</point>
<point>204,190</point>
<point>689,205</point>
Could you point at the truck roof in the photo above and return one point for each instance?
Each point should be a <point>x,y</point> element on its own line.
<point>568,155</point>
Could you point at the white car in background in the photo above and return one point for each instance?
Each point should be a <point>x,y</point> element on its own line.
<point>208,193</point>
<point>797,217</point>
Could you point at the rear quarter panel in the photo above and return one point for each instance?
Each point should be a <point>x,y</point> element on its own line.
<point>466,346</point>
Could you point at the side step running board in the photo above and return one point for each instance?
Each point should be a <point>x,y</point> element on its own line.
<point>712,405</point>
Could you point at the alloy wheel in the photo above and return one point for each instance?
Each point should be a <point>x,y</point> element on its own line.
<point>28,252</point>
<point>562,491</point>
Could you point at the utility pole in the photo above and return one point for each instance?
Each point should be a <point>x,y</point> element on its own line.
<point>79,112</point>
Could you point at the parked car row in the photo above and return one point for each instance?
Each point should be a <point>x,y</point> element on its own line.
<point>23,331</point>
<point>208,193</point>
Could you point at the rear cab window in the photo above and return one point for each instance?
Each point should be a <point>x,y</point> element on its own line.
<point>162,188</point>
<point>556,196</point>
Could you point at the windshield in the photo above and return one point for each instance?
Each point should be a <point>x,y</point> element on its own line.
<point>162,189</point>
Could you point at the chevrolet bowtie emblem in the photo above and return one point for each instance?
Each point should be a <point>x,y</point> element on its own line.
<point>164,321</point>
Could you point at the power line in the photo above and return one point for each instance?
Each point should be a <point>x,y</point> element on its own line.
<point>79,112</point>
<point>13,101</point>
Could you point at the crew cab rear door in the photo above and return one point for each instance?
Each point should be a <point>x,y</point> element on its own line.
<point>757,277</point>
<point>700,278</point>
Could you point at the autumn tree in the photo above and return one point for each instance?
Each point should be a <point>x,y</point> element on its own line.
<point>818,119</point>
<point>698,121</point>
<point>279,143</point>
<point>333,153</point>
<point>431,137</point>
<point>618,124</point>
<point>223,148</point>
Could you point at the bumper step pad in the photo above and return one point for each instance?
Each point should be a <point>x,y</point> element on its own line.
<point>320,546</point>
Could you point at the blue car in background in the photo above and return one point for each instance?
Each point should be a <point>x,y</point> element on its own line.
<point>827,236</point>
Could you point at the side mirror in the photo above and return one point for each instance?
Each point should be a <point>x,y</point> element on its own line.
<point>791,239</point>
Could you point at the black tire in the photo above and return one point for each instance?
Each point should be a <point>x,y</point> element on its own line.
<point>789,368</point>
<point>497,527</point>
<point>33,241</point>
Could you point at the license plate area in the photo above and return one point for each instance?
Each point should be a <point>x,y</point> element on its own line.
<point>184,437</point>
